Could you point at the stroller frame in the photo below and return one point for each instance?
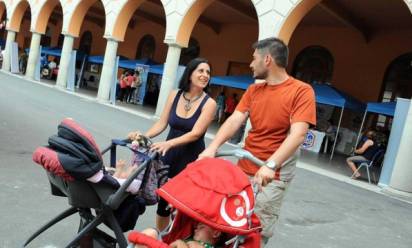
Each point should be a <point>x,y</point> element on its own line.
<point>236,241</point>
<point>84,196</point>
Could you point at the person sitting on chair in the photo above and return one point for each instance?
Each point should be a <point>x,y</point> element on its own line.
<point>365,152</point>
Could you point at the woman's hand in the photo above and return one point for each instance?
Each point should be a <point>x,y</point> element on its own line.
<point>161,147</point>
<point>134,135</point>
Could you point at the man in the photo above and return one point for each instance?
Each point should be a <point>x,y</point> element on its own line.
<point>230,105</point>
<point>52,65</point>
<point>280,109</point>
<point>23,62</point>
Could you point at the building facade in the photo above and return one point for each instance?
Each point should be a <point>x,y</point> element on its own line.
<point>361,47</point>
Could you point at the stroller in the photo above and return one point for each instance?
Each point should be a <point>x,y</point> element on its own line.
<point>215,192</point>
<point>72,157</point>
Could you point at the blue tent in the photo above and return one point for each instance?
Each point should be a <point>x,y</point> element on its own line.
<point>131,63</point>
<point>98,59</point>
<point>57,52</point>
<point>383,108</point>
<point>239,82</point>
<point>156,69</point>
<point>44,50</point>
<point>95,59</point>
<point>52,51</point>
<point>328,95</point>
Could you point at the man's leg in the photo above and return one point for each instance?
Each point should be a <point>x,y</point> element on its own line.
<point>267,207</point>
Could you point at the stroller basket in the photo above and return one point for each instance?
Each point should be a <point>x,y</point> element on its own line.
<point>97,203</point>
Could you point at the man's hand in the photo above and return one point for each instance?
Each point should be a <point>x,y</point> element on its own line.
<point>264,176</point>
<point>207,153</point>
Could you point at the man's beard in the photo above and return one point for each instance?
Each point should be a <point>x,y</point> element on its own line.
<point>261,75</point>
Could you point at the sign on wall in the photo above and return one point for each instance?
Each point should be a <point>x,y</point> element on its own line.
<point>313,141</point>
<point>38,66</point>
<point>113,88</point>
<point>71,71</point>
<point>14,58</point>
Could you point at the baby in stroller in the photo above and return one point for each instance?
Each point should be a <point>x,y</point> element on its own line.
<point>213,200</point>
<point>204,236</point>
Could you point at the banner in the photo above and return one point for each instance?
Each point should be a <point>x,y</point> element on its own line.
<point>14,58</point>
<point>38,67</point>
<point>71,72</point>
<point>313,141</point>
<point>179,73</point>
<point>141,90</point>
<point>113,87</point>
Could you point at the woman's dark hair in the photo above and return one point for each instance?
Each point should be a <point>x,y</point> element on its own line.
<point>184,83</point>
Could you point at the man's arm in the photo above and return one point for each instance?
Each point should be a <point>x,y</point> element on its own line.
<point>226,131</point>
<point>289,146</point>
<point>292,142</point>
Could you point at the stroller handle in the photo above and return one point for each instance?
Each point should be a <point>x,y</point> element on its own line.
<point>240,154</point>
<point>114,200</point>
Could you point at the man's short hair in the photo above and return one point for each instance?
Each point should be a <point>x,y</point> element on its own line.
<point>276,48</point>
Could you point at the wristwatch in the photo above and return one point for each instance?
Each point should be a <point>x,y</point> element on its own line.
<point>271,164</point>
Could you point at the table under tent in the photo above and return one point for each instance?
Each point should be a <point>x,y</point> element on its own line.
<point>328,95</point>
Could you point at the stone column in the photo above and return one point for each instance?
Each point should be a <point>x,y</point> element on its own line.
<point>169,76</point>
<point>65,61</point>
<point>402,169</point>
<point>33,55</point>
<point>108,70</point>
<point>11,37</point>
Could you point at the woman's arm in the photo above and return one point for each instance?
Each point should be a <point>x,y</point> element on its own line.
<point>161,124</point>
<point>368,143</point>
<point>200,127</point>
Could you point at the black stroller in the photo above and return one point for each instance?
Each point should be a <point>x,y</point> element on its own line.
<point>106,202</point>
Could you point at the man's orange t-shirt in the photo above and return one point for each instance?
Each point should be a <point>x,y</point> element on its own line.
<point>272,109</point>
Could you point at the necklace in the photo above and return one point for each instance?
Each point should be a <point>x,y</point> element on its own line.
<point>189,102</point>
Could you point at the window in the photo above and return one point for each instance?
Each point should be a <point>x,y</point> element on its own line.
<point>60,41</point>
<point>313,65</point>
<point>46,38</point>
<point>191,52</point>
<point>86,42</point>
<point>396,83</point>
<point>146,47</point>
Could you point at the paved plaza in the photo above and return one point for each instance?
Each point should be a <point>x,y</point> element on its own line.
<point>321,209</point>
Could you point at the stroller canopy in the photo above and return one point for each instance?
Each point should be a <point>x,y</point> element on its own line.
<point>215,192</point>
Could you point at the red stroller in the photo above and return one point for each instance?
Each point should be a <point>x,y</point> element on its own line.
<point>215,192</point>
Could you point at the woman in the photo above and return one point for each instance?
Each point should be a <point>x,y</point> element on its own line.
<point>188,112</point>
<point>135,84</point>
<point>365,152</point>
